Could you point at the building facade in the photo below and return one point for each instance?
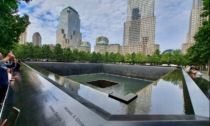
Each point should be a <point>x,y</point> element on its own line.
<point>102,40</point>
<point>23,37</point>
<point>85,46</point>
<point>102,46</point>
<point>139,30</point>
<point>143,48</point>
<point>115,48</point>
<point>68,35</point>
<point>140,23</point>
<point>37,39</point>
<point>195,23</point>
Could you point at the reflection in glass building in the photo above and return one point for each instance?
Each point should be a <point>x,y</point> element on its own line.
<point>139,28</point>
<point>68,34</point>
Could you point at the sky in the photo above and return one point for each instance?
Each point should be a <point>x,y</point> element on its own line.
<point>106,18</point>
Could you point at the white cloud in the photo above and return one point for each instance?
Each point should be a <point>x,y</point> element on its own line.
<point>107,17</point>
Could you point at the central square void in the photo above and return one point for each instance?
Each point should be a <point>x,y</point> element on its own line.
<point>102,83</point>
<point>109,83</point>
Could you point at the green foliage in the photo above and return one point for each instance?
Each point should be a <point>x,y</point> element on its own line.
<point>58,52</point>
<point>128,58</point>
<point>106,57</point>
<point>11,24</point>
<point>112,57</point>
<point>118,58</point>
<point>175,77</point>
<point>46,52</point>
<point>38,52</point>
<point>140,58</point>
<point>166,58</point>
<point>94,57</point>
<point>177,57</point>
<point>29,51</point>
<point>199,53</point>
<point>67,55</point>
<point>133,57</point>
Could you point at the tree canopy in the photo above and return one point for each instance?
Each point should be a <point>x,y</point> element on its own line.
<point>199,53</point>
<point>11,24</point>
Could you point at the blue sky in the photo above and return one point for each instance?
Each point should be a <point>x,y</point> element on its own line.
<point>106,18</point>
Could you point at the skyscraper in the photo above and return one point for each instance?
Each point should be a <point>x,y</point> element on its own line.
<point>37,39</point>
<point>68,34</point>
<point>22,38</point>
<point>140,23</point>
<point>139,28</point>
<point>195,23</point>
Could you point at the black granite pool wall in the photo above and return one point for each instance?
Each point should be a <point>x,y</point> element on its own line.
<point>136,71</point>
<point>67,69</point>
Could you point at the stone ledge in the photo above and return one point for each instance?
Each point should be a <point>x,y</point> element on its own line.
<point>125,99</point>
<point>199,101</point>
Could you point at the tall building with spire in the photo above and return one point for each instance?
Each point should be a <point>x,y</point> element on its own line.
<point>195,23</point>
<point>68,35</point>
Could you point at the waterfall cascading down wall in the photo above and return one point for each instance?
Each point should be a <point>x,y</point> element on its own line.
<point>136,71</point>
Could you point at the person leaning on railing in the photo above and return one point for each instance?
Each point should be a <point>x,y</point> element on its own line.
<point>4,65</point>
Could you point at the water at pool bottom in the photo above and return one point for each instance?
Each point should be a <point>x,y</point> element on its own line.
<point>124,85</point>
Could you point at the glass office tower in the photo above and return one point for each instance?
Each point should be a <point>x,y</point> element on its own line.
<point>140,23</point>
<point>68,34</point>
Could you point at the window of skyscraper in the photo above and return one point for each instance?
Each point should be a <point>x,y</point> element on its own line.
<point>135,14</point>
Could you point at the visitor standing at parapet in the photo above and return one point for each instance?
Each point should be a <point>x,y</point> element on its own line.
<point>4,73</point>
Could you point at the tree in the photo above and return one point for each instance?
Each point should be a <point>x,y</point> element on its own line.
<point>133,55</point>
<point>112,57</point>
<point>38,52</point>
<point>119,57</point>
<point>18,51</point>
<point>46,52</point>
<point>140,58</point>
<point>128,58</point>
<point>82,56</point>
<point>166,58</point>
<point>58,52</point>
<point>155,58</point>
<point>88,56</point>
<point>29,51</point>
<point>67,54</point>
<point>199,53</point>
<point>11,24</point>
<point>75,55</point>
<point>177,57</point>
<point>94,57</point>
<point>106,57</point>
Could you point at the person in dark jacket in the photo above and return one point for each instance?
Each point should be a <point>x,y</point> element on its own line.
<point>4,65</point>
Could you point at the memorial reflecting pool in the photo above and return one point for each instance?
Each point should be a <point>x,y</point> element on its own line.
<point>45,98</point>
<point>164,96</point>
